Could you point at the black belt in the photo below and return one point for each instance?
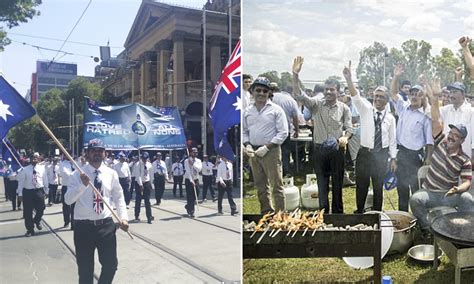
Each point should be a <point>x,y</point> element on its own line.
<point>42,188</point>
<point>401,148</point>
<point>95,222</point>
<point>373,150</point>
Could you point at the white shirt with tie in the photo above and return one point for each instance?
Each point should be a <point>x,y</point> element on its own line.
<point>32,177</point>
<point>52,171</point>
<point>65,171</point>
<point>84,195</point>
<point>207,168</point>
<point>368,114</point>
<point>144,173</point>
<point>224,171</point>
<point>178,169</point>
<point>159,167</point>
<point>192,172</point>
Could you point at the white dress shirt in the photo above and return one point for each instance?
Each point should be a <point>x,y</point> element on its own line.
<point>207,168</point>
<point>178,169</point>
<point>368,114</point>
<point>53,174</point>
<point>144,173</point>
<point>84,195</point>
<point>159,167</point>
<point>65,171</point>
<point>224,171</point>
<point>134,169</point>
<point>192,172</point>
<point>265,126</point>
<point>122,169</point>
<point>450,115</point>
<point>28,181</point>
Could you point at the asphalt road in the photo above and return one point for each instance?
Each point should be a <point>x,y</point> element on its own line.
<point>174,249</point>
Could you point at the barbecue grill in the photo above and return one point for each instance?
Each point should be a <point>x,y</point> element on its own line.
<point>454,234</point>
<point>323,243</point>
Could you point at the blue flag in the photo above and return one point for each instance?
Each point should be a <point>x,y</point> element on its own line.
<point>13,107</point>
<point>8,156</point>
<point>226,105</point>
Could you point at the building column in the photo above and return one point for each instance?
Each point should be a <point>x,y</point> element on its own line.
<point>216,68</point>
<point>178,72</point>
<point>163,50</point>
<point>145,77</point>
<point>134,79</point>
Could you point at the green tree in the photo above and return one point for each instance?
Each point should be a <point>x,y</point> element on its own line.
<point>286,80</point>
<point>370,69</point>
<point>445,64</point>
<point>14,12</point>
<point>273,76</point>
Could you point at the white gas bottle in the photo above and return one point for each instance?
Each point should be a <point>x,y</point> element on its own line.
<point>292,194</point>
<point>310,193</point>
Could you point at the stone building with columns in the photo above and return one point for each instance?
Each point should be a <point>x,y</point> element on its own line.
<point>162,64</point>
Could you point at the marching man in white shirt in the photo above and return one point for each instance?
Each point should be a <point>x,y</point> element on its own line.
<point>178,172</point>
<point>378,143</point>
<point>33,185</point>
<point>94,226</point>
<point>207,176</point>
<point>192,167</point>
<point>144,182</point>
<point>224,185</point>
<point>123,170</point>
<point>65,171</point>
<point>52,171</point>
<point>160,175</point>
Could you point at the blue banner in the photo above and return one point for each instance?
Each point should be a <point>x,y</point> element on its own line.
<point>133,126</point>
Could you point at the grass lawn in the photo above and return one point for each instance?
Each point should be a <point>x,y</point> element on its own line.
<point>314,270</point>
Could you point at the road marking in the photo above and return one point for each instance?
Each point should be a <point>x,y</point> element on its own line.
<point>10,222</point>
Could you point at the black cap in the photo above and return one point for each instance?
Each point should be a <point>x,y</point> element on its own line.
<point>457,86</point>
<point>95,143</point>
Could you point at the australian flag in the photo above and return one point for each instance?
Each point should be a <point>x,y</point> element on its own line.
<point>13,107</point>
<point>226,105</point>
<point>10,156</point>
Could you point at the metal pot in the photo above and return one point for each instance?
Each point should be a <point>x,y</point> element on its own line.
<point>404,232</point>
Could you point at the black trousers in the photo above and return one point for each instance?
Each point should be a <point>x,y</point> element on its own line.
<point>124,182</point>
<point>133,186</point>
<point>53,188</point>
<point>88,237</point>
<point>190,195</point>
<point>408,163</point>
<point>370,165</point>
<point>225,189</point>
<point>145,195</point>
<point>33,199</point>
<point>68,210</point>
<point>159,183</point>
<point>178,181</point>
<point>10,188</point>
<point>329,166</point>
<point>207,184</point>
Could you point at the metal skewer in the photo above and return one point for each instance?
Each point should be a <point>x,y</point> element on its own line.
<point>261,237</point>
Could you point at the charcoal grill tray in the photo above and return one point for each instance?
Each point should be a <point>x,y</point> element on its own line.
<point>322,244</point>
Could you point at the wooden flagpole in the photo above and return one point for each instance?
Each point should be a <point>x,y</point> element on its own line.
<point>65,152</point>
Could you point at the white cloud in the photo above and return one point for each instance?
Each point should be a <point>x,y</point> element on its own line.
<point>389,23</point>
<point>422,23</point>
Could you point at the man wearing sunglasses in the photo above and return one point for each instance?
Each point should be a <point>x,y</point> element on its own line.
<point>414,138</point>
<point>264,130</point>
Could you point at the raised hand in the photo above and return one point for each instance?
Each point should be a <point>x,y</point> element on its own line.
<point>397,72</point>
<point>297,64</point>
<point>347,72</point>
<point>436,86</point>
<point>464,41</point>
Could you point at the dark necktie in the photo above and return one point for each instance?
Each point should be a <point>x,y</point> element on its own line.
<point>378,133</point>
<point>34,180</point>
<point>98,204</point>
<point>228,172</point>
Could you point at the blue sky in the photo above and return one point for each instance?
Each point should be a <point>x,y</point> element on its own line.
<point>330,33</point>
<point>104,20</point>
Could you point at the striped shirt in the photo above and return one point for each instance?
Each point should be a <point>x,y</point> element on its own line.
<point>446,170</point>
<point>329,120</point>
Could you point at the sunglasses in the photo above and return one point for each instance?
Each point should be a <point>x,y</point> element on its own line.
<point>260,90</point>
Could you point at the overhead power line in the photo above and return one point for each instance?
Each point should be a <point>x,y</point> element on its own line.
<point>51,49</point>
<point>55,39</point>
